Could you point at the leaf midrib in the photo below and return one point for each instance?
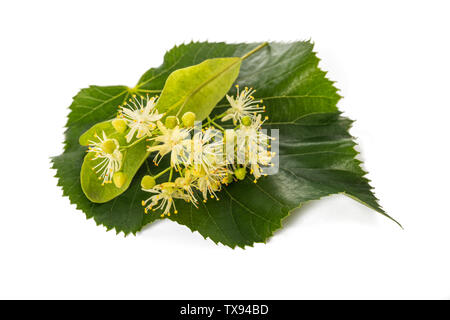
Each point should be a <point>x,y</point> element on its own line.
<point>100,105</point>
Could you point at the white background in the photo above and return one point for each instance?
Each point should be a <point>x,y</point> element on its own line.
<point>391,61</point>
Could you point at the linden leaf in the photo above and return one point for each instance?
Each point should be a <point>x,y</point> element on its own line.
<point>316,159</point>
<point>317,155</point>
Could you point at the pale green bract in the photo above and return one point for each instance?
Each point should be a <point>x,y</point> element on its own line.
<point>134,157</point>
<point>198,88</point>
<point>317,156</point>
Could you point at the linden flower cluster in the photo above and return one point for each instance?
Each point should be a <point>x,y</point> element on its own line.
<point>202,158</point>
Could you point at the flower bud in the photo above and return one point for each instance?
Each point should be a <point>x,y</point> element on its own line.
<point>148,182</point>
<point>109,146</point>
<point>119,179</point>
<point>188,119</point>
<point>120,125</point>
<point>171,122</point>
<point>246,121</point>
<point>240,173</point>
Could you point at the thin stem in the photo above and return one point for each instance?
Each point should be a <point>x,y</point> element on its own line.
<point>218,126</point>
<point>262,45</point>
<point>161,173</point>
<point>211,121</point>
<point>170,174</point>
<point>148,167</point>
<point>208,122</point>
<point>123,158</point>
<point>215,118</point>
<point>134,143</point>
<point>219,116</point>
<point>148,91</point>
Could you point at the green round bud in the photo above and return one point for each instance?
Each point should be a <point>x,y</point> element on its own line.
<point>246,121</point>
<point>240,173</point>
<point>119,179</point>
<point>120,125</point>
<point>171,122</point>
<point>109,146</point>
<point>188,119</point>
<point>148,182</point>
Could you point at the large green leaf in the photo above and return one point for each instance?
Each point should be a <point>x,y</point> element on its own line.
<point>316,151</point>
<point>319,164</point>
